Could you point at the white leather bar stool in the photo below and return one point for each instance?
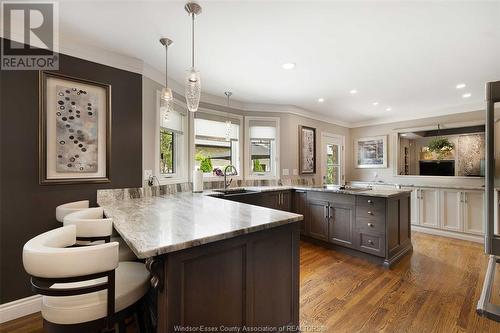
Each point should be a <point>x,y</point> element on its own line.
<point>70,207</point>
<point>84,288</point>
<point>91,225</point>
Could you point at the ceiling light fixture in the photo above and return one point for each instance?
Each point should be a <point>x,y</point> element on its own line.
<point>228,122</point>
<point>353,92</point>
<point>321,100</point>
<point>193,84</point>
<point>375,103</point>
<point>166,96</point>
<point>288,65</point>
<point>466,95</point>
<point>388,109</point>
<point>460,86</point>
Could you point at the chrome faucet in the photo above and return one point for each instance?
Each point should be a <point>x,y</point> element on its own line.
<point>230,166</point>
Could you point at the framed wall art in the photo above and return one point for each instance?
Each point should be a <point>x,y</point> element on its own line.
<point>371,152</point>
<point>74,130</point>
<point>307,150</point>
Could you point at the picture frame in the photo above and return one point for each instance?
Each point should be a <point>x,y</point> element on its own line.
<point>307,150</point>
<point>74,130</point>
<point>371,152</point>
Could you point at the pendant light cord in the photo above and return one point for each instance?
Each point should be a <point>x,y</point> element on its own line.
<point>192,39</point>
<point>166,66</point>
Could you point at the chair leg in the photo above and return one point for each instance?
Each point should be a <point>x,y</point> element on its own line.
<point>122,328</point>
<point>140,318</point>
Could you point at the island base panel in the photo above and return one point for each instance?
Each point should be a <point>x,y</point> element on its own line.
<point>251,280</point>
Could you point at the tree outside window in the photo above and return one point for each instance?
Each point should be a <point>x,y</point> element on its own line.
<point>167,162</point>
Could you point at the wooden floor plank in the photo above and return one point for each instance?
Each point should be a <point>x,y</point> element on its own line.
<point>434,289</point>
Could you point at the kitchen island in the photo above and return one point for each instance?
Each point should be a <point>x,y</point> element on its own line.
<point>214,262</point>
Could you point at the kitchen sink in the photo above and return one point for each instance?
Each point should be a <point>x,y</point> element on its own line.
<point>230,191</point>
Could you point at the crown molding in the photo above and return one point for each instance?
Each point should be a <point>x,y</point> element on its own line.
<point>73,47</point>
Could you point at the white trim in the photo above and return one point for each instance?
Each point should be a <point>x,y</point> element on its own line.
<point>20,308</point>
<point>341,139</point>
<point>447,233</point>
<point>180,160</point>
<point>247,167</point>
<point>241,137</point>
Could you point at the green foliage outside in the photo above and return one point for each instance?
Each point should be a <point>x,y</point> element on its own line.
<point>257,167</point>
<point>205,162</point>
<point>166,152</point>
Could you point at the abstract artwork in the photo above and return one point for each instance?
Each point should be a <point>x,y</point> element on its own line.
<point>76,136</point>
<point>471,155</point>
<point>307,150</point>
<point>371,152</point>
<point>75,128</point>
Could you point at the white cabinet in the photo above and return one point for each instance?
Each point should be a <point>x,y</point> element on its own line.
<point>428,207</point>
<point>449,209</point>
<point>473,202</point>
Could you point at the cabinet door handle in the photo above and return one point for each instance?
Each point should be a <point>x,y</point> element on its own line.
<point>370,212</point>
<point>327,209</point>
<point>370,201</point>
<point>371,225</point>
<point>370,242</point>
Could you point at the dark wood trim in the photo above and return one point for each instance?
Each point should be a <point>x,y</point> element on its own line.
<point>302,172</point>
<point>106,239</point>
<point>42,131</point>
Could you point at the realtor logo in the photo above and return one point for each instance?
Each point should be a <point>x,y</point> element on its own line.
<point>29,35</point>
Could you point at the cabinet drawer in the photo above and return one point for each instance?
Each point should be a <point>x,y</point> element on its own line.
<point>332,197</point>
<point>371,244</point>
<point>370,224</point>
<point>372,202</point>
<point>373,213</point>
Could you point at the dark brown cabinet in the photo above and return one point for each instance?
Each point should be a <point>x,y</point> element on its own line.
<point>276,200</point>
<point>317,219</point>
<point>341,224</point>
<point>299,206</point>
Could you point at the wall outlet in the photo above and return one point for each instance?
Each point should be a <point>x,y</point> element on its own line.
<point>147,174</point>
<point>285,172</point>
<point>295,172</point>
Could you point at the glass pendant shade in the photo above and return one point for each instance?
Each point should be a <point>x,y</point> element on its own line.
<point>166,102</point>
<point>193,89</point>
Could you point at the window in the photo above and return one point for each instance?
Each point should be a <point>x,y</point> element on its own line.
<point>332,159</point>
<point>167,151</point>
<point>216,142</point>
<point>263,147</point>
<point>171,145</point>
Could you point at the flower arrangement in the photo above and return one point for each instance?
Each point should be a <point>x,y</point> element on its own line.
<point>441,146</point>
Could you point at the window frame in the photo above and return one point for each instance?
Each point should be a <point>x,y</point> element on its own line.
<point>249,175</point>
<point>180,163</point>
<point>340,141</point>
<point>192,138</point>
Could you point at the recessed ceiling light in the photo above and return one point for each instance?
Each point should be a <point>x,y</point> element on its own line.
<point>466,95</point>
<point>460,86</point>
<point>375,103</point>
<point>353,92</point>
<point>321,100</point>
<point>288,65</point>
<point>388,109</point>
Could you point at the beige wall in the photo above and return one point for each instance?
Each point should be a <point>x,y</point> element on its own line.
<point>289,123</point>
<point>389,174</point>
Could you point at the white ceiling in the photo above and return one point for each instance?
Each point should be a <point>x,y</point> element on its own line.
<point>406,55</point>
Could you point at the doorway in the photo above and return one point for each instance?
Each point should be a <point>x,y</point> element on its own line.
<point>332,159</point>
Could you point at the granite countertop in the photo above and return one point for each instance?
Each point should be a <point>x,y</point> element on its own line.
<point>158,225</point>
<point>458,187</point>
<point>355,191</point>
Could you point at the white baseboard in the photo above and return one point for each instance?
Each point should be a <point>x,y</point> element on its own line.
<point>447,233</point>
<point>20,308</point>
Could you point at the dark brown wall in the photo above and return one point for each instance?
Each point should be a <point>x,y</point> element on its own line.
<point>27,208</point>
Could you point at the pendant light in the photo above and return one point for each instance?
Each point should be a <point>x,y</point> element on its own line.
<point>166,96</point>
<point>228,122</point>
<point>193,84</point>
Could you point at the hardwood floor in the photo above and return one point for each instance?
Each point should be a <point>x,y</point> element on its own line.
<point>435,289</point>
